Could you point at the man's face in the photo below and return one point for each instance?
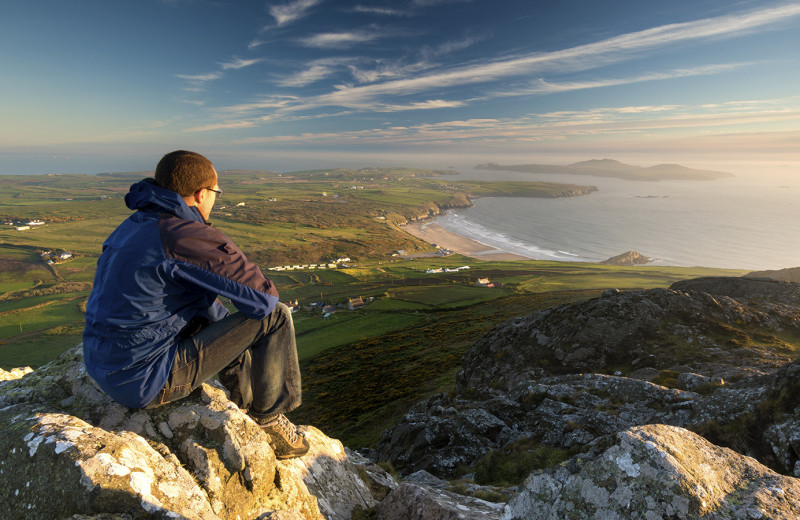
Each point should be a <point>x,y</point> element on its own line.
<point>207,199</point>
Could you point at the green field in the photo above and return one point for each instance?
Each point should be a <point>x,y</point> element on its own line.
<point>363,368</point>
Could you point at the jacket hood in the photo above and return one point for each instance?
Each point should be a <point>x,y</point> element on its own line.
<point>147,195</point>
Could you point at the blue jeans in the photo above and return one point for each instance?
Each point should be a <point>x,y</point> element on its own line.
<point>256,361</point>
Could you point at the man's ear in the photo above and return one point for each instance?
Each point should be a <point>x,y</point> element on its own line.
<point>194,199</point>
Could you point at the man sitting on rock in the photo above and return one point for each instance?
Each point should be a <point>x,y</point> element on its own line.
<point>155,330</point>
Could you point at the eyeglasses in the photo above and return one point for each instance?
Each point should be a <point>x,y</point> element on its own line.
<point>218,192</point>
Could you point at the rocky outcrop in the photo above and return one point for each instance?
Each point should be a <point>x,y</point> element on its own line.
<point>790,274</point>
<point>715,334</point>
<point>718,362</point>
<point>657,471</point>
<point>68,449</point>
<point>628,258</point>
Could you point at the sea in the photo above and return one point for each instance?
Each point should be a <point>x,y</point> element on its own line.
<point>737,223</point>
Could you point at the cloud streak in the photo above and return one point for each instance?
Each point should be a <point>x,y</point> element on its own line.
<point>285,14</point>
<point>338,40</point>
<point>238,63</point>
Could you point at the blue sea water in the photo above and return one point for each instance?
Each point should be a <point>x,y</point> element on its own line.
<point>732,223</point>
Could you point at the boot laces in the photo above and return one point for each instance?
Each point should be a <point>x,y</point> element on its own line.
<point>287,428</point>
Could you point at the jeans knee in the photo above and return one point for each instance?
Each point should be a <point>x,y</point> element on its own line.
<point>280,316</point>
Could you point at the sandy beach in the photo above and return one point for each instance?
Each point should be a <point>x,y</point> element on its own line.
<point>435,234</point>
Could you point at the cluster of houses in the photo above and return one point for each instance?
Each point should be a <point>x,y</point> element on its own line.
<point>51,258</point>
<point>482,282</point>
<point>447,269</point>
<point>333,264</point>
<point>24,225</point>
<point>327,309</point>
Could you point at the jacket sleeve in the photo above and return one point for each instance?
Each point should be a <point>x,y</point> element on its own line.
<point>206,258</point>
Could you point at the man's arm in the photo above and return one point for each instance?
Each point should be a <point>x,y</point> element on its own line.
<point>204,257</point>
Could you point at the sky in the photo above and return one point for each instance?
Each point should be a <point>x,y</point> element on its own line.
<point>93,86</point>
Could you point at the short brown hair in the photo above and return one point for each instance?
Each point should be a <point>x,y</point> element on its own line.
<point>185,172</point>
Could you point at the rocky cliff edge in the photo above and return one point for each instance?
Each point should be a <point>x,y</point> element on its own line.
<point>69,451</point>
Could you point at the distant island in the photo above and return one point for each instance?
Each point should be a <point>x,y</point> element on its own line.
<point>628,258</point>
<point>612,168</point>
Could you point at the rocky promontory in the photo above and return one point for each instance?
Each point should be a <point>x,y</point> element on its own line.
<point>69,451</point>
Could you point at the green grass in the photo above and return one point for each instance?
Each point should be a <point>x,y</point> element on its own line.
<point>316,335</point>
<point>395,304</point>
<point>449,296</point>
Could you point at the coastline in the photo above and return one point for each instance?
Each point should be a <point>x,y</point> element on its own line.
<point>436,234</point>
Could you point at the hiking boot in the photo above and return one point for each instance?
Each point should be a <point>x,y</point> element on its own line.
<point>283,437</point>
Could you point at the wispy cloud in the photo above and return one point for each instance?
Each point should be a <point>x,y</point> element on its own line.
<point>222,126</point>
<point>384,11</point>
<point>197,82</point>
<point>308,76</point>
<point>541,86</point>
<point>200,78</point>
<point>289,12</point>
<point>382,70</point>
<point>422,105</point>
<point>238,63</point>
<point>451,46</point>
<point>338,40</point>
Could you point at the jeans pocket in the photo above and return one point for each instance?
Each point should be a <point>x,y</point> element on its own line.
<point>167,395</point>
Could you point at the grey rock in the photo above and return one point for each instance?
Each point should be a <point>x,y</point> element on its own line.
<point>657,471</point>
<point>440,434</point>
<point>423,477</point>
<point>412,501</point>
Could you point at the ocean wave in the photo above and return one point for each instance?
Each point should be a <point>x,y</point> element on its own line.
<point>459,224</point>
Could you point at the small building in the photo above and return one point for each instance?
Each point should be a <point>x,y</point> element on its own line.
<point>35,223</point>
<point>66,255</point>
<point>241,204</point>
<point>355,303</point>
<point>483,282</point>
<point>21,228</point>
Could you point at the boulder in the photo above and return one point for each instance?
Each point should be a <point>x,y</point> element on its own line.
<point>414,501</point>
<point>68,449</point>
<point>657,471</point>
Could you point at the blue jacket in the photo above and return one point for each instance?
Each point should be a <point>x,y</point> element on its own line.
<point>160,268</point>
